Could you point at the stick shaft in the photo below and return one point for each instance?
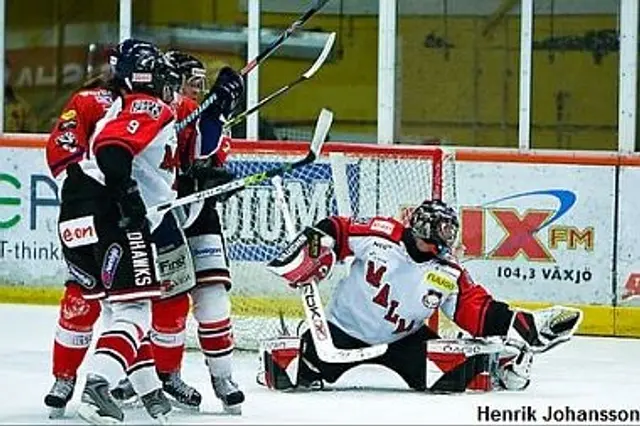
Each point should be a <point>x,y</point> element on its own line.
<point>268,51</point>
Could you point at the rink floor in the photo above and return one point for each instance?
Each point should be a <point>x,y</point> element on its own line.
<point>587,373</point>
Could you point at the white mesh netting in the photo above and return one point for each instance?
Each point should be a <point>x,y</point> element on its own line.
<point>349,180</point>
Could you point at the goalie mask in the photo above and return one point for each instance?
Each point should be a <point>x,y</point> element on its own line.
<point>435,222</point>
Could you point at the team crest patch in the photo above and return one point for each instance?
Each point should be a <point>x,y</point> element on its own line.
<point>152,108</point>
<point>110,264</point>
<point>440,281</point>
<point>432,299</point>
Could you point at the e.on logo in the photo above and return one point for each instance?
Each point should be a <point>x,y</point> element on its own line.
<point>78,232</point>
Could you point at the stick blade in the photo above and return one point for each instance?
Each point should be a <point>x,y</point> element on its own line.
<point>325,119</point>
<point>322,57</point>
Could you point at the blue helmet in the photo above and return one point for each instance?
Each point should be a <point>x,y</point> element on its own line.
<point>139,66</point>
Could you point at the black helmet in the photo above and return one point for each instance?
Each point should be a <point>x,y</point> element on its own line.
<point>435,222</point>
<point>191,69</point>
<point>139,66</point>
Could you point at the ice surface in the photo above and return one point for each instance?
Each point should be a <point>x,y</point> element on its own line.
<point>585,373</point>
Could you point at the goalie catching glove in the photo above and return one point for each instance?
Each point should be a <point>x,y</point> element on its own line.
<point>543,329</point>
<point>309,257</point>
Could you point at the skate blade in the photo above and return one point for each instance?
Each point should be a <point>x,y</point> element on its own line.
<point>56,412</point>
<point>232,410</point>
<point>162,419</point>
<point>182,406</point>
<point>89,413</point>
<point>133,402</point>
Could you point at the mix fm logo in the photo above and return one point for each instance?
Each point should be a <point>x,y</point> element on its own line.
<point>520,231</point>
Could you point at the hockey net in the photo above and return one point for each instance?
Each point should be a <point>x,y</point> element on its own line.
<point>348,179</point>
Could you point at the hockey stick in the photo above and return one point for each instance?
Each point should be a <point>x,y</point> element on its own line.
<point>315,7</point>
<point>312,304</point>
<point>304,77</point>
<point>322,127</point>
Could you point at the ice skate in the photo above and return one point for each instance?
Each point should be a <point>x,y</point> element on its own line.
<point>59,396</point>
<point>180,394</point>
<point>97,406</point>
<point>229,393</point>
<point>124,394</point>
<point>157,405</point>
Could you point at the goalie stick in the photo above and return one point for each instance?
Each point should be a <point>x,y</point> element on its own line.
<point>322,126</point>
<point>304,77</point>
<point>313,308</point>
<point>315,7</point>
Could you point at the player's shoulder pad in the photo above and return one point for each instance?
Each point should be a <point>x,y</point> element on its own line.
<point>379,226</point>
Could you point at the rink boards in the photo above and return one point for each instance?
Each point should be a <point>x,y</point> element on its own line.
<point>538,228</point>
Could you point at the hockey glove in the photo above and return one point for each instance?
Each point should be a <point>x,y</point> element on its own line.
<point>309,257</point>
<point>133,212</point>
<point>229,90</point>
<point>207,176</point>
<point>545,328</point>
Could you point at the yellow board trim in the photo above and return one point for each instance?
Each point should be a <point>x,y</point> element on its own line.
<point>598,319</point>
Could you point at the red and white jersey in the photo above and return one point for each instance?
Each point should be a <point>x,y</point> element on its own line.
<point>143,125</point>
<point>68,141</point>
<point>388,295</point>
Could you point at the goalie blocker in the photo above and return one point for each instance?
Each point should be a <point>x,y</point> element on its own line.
<point>442,365</point>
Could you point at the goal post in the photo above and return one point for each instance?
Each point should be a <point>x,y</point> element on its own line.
<point>348,179</point>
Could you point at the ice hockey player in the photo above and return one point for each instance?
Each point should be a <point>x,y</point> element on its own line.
<point>399,277</point>
<point>202,156</point>
<point>168,325</point>
<point>104,228</point>
<point>79,309</point>
<point>68,143</point>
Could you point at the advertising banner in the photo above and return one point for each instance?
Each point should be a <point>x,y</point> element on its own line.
<point>628,265</point>
<point>29,249</point>
<point>531,232</point>
<point>539,232</point>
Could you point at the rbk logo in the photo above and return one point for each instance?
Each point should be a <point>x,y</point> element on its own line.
<point>521,230</point>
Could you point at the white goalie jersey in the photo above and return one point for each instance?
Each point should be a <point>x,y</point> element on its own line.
<point>387,294</point>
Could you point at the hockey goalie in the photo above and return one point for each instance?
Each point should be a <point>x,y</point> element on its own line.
<point>399,277</point>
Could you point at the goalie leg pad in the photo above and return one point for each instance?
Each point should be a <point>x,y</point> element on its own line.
<point>544,329</point>
<point>280,360</point>
<point>514,371</point>
<point>458,365</point>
